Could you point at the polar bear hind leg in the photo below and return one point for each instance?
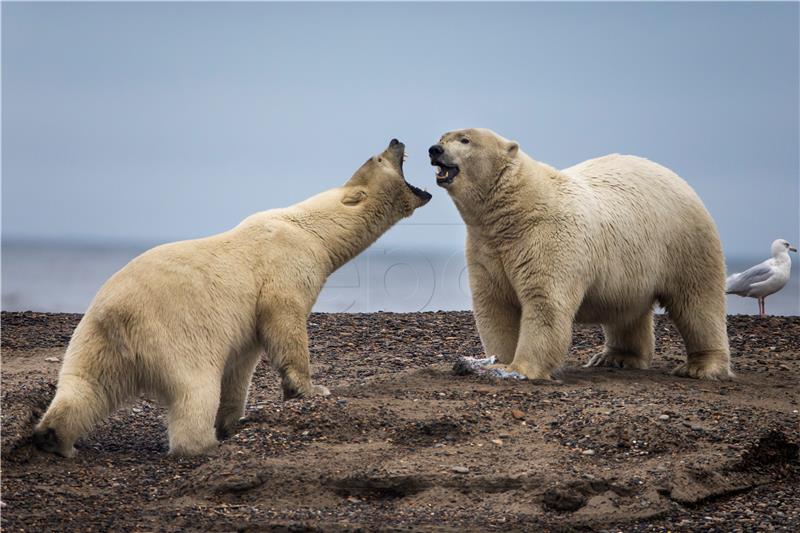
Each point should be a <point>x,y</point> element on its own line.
<point>629,344</point>
<point>700,319</point>
<point>193,406</point>
<point>235,385</point>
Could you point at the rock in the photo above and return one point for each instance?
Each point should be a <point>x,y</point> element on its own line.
<point>517,414</point>
<point>52,359</point>
<point>663,417</point>
<point>460,469</point>
<point>498,442</point>
<point>588,452</point>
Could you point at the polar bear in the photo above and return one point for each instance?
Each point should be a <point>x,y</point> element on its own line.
<point>600,242</point>
<point>187,321</point>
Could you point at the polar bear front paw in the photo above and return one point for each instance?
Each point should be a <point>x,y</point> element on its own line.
<point>306,392</point>
<point>616,359</point>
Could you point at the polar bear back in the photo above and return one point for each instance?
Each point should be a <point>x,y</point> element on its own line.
<point>639,198</point>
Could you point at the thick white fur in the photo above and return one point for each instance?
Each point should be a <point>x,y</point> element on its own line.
<point>187,321</point>
<point>601,242</point>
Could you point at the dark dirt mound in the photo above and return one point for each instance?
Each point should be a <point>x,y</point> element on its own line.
<point>772,449</point>
<point>404,444</point>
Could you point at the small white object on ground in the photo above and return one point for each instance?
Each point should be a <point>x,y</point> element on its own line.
<point>460,469</point>
<point>478,365</point>
<point>52,359</point>
<point>765,278</point>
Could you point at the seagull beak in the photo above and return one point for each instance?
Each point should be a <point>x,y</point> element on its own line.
<point>793,248</point>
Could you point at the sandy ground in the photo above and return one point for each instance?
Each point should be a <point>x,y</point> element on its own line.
<point>404,444</point>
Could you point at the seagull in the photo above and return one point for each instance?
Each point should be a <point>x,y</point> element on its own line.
<point>765,278</point>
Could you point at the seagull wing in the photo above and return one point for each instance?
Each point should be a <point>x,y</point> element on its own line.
<point>742,282</point>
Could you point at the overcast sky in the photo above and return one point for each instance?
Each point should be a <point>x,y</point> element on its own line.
<point>159,121</point>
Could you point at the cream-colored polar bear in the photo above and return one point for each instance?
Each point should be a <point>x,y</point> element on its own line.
<point>187,321</point>
<point>600,242</point>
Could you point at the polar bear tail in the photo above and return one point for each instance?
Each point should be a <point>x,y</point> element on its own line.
<point>95,379</point>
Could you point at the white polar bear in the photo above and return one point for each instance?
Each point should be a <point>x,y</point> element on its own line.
<point>600,242</point>
<point>187,321</point>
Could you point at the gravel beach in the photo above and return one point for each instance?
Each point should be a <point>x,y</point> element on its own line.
<point>404,444</point>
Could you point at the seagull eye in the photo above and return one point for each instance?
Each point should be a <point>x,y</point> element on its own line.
<point>464,141</point>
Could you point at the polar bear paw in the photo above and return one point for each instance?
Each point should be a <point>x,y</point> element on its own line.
<point>307,392</point>
<point>615,359</point>
<point>703,370</point>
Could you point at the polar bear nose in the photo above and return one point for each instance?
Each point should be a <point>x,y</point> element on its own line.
<point>393,142</point>
<point>435,150</point>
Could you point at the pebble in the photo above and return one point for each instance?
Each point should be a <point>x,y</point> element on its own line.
<point>460,469</point>
<point>588,452</point>
<point>52,359</point>
<point>517,414</point>
<point>663,417</point>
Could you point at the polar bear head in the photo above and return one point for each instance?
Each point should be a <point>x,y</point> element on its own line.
<point>470,161</point>
<point>379,185</point>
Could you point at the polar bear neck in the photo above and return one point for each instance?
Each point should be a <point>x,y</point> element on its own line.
<point>340,233</point>
<point>522,190</point>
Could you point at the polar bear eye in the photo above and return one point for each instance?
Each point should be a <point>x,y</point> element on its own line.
<point>465,141</point>
<point>380,160</point>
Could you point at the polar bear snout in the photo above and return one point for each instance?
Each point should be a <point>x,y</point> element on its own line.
<point>435,151</point>
<point>446,171</point>
<point>395,153</point>
<point>47,440</point>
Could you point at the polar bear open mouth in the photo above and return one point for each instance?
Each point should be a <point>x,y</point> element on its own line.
<point>419,193</point>
<point>422,194</point>
<point>445,174</point>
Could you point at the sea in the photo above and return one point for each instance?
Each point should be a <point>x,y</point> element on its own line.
<point>63,277</point>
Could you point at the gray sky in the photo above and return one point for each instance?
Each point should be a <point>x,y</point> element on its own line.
<point>160,121</point>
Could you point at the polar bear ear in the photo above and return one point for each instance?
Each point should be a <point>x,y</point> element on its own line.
<point>512,148</point>
<point>354,197</point>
